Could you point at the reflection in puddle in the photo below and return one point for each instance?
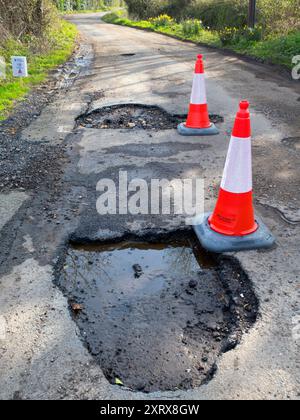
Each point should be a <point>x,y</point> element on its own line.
<point>154,315</point>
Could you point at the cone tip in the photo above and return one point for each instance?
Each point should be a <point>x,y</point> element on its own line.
<point>199,56</point>
<point>244,104</point>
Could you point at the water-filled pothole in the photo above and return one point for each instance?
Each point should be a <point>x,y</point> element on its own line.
<point>156,316</point>
<point>134,116</point>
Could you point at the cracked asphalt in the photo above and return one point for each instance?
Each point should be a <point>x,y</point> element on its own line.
<point>48,196</point>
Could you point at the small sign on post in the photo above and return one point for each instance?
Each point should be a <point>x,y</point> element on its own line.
<point>19,65</point>
<point>2,68</point>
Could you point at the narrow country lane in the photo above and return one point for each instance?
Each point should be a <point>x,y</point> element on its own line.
<point>43,355</point>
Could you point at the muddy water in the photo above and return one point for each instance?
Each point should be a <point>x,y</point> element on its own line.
<point>155,316</point>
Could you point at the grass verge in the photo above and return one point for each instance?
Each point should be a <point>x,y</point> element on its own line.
<point>58,47</point>
<point>174,29</point>
<point>277,49</point>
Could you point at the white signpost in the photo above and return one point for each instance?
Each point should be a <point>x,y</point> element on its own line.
<point>19,65</point>
<point>2,68</point>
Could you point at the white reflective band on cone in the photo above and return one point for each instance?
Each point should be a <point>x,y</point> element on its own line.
<point>237,177</point>
<point>198,92</point>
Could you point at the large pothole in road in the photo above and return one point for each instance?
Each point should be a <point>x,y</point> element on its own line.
<point>134,116</point>
<point>157,315</point>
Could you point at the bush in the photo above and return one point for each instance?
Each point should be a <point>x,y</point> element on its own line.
<point>279,49</point>
<point>273,16</point>
<point>34,20</point>
<point>162,20</point>
<point>78,5</point>
<point>145,9</point>
<point>192,27</point>
<point>279,16</point>
<point>250,34</point>
<point>220,14</point>
<point>215,14</point>
<point>178,9</point>
<point>235,35</point>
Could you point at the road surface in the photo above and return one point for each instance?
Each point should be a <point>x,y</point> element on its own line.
<point>42,355</point>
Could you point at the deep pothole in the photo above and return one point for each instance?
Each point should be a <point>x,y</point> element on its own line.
<point>157,315</point>
<point>134,116</point>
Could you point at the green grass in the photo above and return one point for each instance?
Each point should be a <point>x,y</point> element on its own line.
<point>174,29</point>
<point>276,49</point>
<point>57,50</point>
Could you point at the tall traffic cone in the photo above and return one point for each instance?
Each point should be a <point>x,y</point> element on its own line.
<point>232,226</point>
<point>198,123</point>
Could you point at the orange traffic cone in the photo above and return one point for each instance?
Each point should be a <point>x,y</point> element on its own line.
<point>232,226</point>
<point>198,123</point>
